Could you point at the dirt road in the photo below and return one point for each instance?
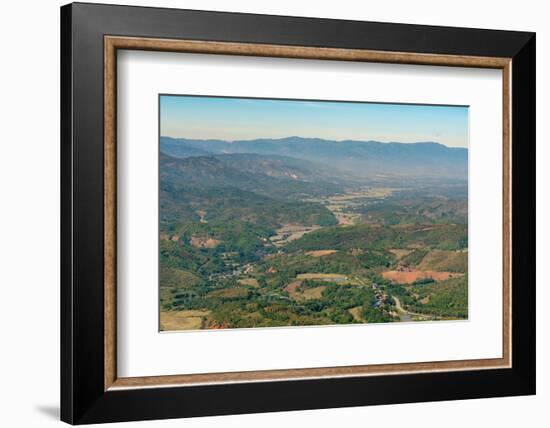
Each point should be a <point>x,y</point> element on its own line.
<point>403,314</point>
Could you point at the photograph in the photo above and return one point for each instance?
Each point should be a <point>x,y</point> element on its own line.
<point>293,213</point>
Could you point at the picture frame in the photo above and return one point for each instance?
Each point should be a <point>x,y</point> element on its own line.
<point>91,36</point>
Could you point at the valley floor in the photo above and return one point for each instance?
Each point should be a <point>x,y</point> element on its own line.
<point>361,270</point>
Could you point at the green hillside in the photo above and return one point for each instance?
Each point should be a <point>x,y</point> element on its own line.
<point>276,178</point>
<point>441,236</point>
<point>227,204</point>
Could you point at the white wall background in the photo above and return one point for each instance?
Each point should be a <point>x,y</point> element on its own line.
<point>29,215</point>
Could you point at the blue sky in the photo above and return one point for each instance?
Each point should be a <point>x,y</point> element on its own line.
<point>249,118</point>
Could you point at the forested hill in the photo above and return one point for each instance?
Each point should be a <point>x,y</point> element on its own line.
<point>226,193</point>
<point>280,177</point>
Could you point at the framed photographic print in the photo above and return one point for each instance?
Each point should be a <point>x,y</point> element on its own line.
<point>266,213</point>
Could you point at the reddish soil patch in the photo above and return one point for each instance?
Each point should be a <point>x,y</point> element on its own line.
<point>406,277</point>
<point>291,288</point>
<point>218,325</point>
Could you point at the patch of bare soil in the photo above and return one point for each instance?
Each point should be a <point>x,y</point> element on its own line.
<point>292,287</point>
<point>408,277</point>
<point>329,277</point>
<point>290,232</point>
<point>253,282</point>
<point>320,253</point>
<point>356,313</point>
<point>182,320</point>
<point>204,242</point>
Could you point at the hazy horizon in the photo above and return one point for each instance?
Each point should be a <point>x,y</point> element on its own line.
<point>309,138</point>
<point>239,119</point>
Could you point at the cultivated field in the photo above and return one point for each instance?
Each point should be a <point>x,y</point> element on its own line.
<point>331,277</point>
<point>320,253</point>
<point>182,320</point>
<point>253,282</point>
<point>408,277</point>
<point>289,233</point>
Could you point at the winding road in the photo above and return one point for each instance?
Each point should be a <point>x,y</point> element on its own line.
<point>403,314</point>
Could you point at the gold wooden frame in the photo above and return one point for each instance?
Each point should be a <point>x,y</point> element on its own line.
<point>113,43</point>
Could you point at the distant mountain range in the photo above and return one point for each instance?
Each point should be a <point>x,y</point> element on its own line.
<point>365,159</point>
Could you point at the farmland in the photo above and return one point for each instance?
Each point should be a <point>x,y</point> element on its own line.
<point>252,240</point>
<point>414,276</point>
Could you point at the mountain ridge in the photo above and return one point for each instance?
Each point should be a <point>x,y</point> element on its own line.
<point>297,138</point>
<point>360,158</point>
